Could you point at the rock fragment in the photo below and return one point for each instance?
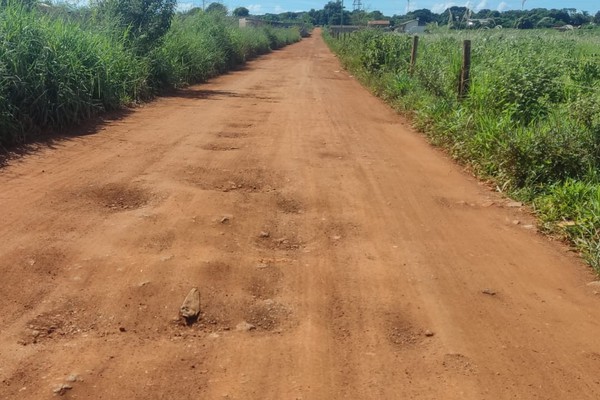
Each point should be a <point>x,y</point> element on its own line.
<point>62,389</point>
<point>190,309</point>
<point>244,327</point>
<point>489,292</point>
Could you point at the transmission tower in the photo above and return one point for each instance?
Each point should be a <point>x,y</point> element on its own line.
<point>357,5</point>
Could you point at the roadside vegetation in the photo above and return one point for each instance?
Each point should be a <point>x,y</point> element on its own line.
<point>531,120</point>
<point>61,65</point>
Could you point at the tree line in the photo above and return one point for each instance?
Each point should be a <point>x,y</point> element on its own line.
<point>455,17</point>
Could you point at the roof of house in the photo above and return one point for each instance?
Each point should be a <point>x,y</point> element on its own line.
<point>412,21</point>
<point>378,22</point>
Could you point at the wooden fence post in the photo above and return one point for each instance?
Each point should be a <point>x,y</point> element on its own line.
<point>465,71</point>
<point>413,54</point>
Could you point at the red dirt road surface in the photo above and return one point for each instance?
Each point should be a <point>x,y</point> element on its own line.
<point>337,254</point>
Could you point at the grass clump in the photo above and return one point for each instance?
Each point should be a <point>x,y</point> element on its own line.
<point>531,121</point>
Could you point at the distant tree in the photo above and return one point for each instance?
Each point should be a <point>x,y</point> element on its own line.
<point>560,15</point>
<point>425,16</point>
<point>241,12</point>
<point>579,19</point>
<point>546,22</point>
<point>333,11</point>
<point>524,23</point>
<point>216,8</point>
<point>376,15</point>
<point>597,18</point>
<point>359,17</point>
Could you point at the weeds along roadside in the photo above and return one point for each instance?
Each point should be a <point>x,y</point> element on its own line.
<point>531,121</point>
<point>56,72</point>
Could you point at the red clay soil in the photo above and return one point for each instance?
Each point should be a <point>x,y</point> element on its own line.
<point>338,256</point>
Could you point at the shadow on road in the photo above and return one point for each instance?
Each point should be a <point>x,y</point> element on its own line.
<point>53,139</point>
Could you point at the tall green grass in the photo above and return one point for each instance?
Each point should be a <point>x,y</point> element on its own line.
<point>531,120</point>
<point>203,45</point>
<point>54,74</point>
<point>57,72</point>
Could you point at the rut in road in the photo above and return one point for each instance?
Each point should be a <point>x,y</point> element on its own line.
<point>337,255</point>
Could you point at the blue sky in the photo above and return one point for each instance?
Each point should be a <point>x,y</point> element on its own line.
<point>390,7</point>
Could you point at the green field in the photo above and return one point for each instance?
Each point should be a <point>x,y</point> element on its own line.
<point>530,122</point>
<point>59,67</point>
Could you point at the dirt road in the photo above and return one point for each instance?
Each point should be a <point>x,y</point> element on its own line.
<point>338,256</point>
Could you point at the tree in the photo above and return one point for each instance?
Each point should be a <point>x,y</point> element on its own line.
<point>423,15</point>
<point>579,19</point>
<point>524,23</point>
<point>333,11</point>
<point>241,12</point>
<point>216,8</point>
<point>145,22</point>
<point>376,15</point>
<point>597,18</point>
<point>546,22</point>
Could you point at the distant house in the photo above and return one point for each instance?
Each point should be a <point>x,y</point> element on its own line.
<point>250,22</point>
<point>480,23</point>
<point>412,26</point>
<point>381,24</point>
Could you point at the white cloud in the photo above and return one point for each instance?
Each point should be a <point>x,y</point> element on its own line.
<point>502,6</point>
<point>184,6</point>
<point>254,8</point>
<point>482,5</point>
<point>441,7</point>
<point>411,6</point>
<point>278,9</point>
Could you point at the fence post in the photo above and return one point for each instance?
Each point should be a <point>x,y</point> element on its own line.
<point>413,54</point>
<point>465,71</point>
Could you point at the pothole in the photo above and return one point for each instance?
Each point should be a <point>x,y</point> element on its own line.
<point>159,242</point>
<point>231,134</point>
<point>248,180</point>
<point>240,125</point>
<point>404,335</point>
<point>219,147</point>
<point>264,284</point>
<point>459,363</point>
<point>216,271</point>
<point>284,243</point>
<point>289,205</point>
<point>63,322</point>
<point>267,315</point>
<point>118,197</point>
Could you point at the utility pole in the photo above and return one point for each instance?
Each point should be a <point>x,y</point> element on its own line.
<point>357,5</point>
<point>342,13</point>
<point>203,5</point>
